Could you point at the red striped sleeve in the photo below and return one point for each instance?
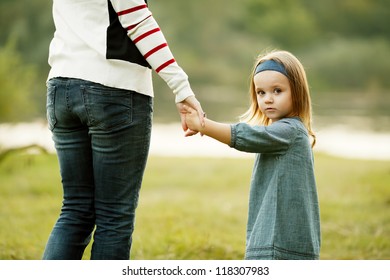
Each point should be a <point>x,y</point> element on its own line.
<point>152,51</point>
<point>162,66</point>
<point>134,25</point>
<point>146,34</point>
<point>131,10</point>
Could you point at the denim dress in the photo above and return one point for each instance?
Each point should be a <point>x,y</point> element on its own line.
<point>283,218</point>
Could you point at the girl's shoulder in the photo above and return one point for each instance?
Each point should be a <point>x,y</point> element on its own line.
<point>294,123</point>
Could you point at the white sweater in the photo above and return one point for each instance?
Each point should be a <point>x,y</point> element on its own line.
<point>91,42</point>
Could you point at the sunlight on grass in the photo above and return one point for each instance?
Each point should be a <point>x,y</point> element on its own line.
<point>196,208</point>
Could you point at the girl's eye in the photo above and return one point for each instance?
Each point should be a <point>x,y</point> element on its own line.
<point>277,90</point>
<point>260,92</point>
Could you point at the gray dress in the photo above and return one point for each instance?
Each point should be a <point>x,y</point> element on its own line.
<point>283,219</point>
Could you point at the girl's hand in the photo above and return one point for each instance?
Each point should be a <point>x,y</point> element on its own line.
<point>192,121</point>
<point>190,102</point>
<point>216,130</point>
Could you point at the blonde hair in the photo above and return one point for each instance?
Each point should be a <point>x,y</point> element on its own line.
<point>300,95</point>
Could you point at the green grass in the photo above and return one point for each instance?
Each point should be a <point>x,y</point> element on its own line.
<point>196,208</point>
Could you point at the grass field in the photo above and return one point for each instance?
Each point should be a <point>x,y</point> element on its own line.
<point>196,208</point>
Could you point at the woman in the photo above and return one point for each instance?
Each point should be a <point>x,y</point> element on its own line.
<point>99,109</point>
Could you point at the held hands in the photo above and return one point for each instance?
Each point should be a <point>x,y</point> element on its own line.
<point>190,106</point>
<point>195,123</point>
<point>192,120</point>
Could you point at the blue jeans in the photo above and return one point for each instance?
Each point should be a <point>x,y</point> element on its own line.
<point>102,138</point>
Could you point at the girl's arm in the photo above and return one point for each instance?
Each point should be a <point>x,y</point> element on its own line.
<point>273,139</point>
<point>216,130</point>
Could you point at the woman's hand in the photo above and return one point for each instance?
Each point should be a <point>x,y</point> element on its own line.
<point>192,121</point>
<point>190,103</point>
<point>216,130</point>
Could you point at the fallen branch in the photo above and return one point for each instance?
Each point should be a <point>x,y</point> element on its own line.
<point>5,153</point>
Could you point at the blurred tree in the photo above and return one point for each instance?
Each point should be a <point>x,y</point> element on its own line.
<point>352,18</point>
<point>288,23</point>
<point>30,24</point>
<point>16,82</point>
<point>345,44</point>
<point>350,65</point>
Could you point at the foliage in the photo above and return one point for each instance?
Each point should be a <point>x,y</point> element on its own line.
<point>299,23</point>
<point>196,208</point>
<point>344,45</point>
<point>16,83</point>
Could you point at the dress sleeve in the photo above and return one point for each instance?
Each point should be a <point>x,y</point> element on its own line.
<point>273,139</point>
<point>143,30</point>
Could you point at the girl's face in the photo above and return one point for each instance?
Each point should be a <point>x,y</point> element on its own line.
<point>273,94</point>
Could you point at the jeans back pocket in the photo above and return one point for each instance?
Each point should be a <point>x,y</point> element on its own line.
<point>107,108</point>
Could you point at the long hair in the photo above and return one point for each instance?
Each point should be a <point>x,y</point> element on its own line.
<point>300,95</point>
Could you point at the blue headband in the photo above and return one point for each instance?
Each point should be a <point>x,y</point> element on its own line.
<point>271,65</point>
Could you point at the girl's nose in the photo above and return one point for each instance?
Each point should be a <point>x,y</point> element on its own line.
<point>268,98</point>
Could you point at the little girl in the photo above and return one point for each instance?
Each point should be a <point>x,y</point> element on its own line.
<point>283,220</point>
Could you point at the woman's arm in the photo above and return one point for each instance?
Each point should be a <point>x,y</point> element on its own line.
<point>144,31</point>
